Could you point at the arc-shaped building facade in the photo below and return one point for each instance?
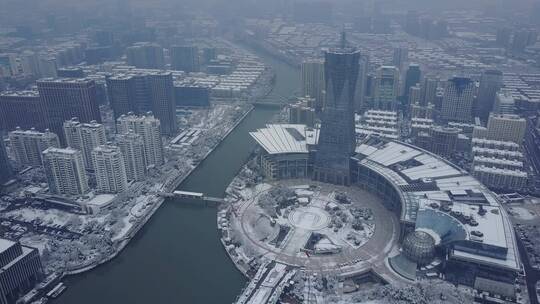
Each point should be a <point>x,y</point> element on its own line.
<point>445,211</point>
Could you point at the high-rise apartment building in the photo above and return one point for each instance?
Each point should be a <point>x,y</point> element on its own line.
<point>457,104</point>
<point>313,81</point>
<point>132,147</point>
<point>146,55</point>
<point>337,139</point>
<point>27,145</point>
<point>185,58</point>
<point>386,88</point>
<point>22,109</point>
<point>65,98</point>
<point>65,171</point>
<point>110,169</point>
<point>84,137</point>
<point>444,140</point>
<point>490,83</point>
<point>504,103</point>
<point>506,127</point>
<point>148,127</point>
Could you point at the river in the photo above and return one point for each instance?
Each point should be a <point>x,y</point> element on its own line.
<point>177,256</point>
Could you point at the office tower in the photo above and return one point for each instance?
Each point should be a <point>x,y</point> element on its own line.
<point>337,139</point>
<point>132,147</point>
<point>163,103</point>
<point>312,11</point>
<point>444,140</point>
<point>520,41</point>
<point>302,112</point>
<point>412,23</point>
<point>70,72</point>
<point>400,58</point>
<point>84,137</point>
<point>209,54</point>
<point>27,146</point>
<point>412,77</point>
<point>414,95</point>
<point>504,103</point>
<point>490,82</point>
<point>506,127</point>
<point>30,64</point>
<point>191,95</point>
<point>429,91</point>
<point>361,89</point>
<point>47,66</point>
<point>8,65</point>
<point>110,169</point>
<point>21,270</point>
<point>386,88</point>
<point>141,93</point>
<point>185,58</point>
<point>145,55</point>
<point>148,127</point>
<point>313,81</point>
<point>458,99</point>
<point>503,37</point>
<point>65,171</point>
<point>6,171</point>
<point>22,109</point>
<point>65,98</point>
<point>121,94</point>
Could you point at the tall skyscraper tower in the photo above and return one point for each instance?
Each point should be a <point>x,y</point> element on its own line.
<point>6,171</point>
<point>65,98</point>
<point>490,83</point>
<point>185,58</point>
<point>400,58</point>
<point>84,137</point>
<point>129,93</point>
<point>148,127</point>
<point>361,84</point>
<point>65,171</point>
<point>110,169</point>
<point>132,148</point>
<point>163,103</point>
<point>337,139</point>
<point>412,77</point>
<point>386,88</point>
<point>313,81</point>
<point>428,92</point>
<point>27,146</point>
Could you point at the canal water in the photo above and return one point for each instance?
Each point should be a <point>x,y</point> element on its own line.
<point>177,256</point>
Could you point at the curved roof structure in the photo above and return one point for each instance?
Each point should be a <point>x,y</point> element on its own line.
<point>445,201</point>
<point>285,138</point>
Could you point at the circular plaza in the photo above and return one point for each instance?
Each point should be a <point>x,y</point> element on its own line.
<point>316,226</point>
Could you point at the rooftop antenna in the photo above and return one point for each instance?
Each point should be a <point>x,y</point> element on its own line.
<point>343,38</point>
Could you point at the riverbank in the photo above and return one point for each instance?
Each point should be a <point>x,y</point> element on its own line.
<point>179,251</point>
<point>159,201</point>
